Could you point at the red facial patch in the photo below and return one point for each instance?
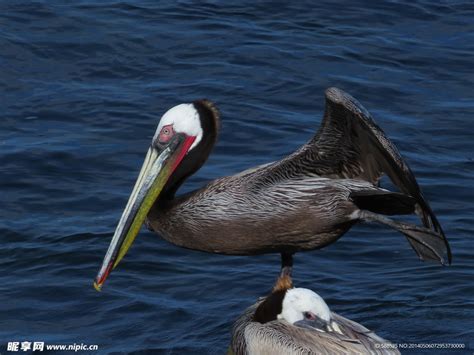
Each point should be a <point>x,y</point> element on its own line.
<point>188,142</point>
<point>166,133</point>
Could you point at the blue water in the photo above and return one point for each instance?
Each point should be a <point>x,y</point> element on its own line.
<point>82,88</point>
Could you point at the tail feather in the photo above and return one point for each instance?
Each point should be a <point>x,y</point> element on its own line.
<point>428,244</point>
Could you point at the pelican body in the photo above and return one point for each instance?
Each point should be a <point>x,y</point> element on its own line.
<point>302,202</point>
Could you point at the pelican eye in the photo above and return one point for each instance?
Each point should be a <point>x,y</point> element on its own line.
<point>309,315</point>
<point>166,133</point>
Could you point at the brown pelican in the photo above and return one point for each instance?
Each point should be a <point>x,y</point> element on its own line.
<point>302,202</point>
<point>298,321</point>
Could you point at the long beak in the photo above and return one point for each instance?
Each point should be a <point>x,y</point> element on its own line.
<point>314,324</point>
<point>155,172</point>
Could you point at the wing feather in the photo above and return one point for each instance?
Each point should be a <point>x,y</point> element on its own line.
<point>351,145</point>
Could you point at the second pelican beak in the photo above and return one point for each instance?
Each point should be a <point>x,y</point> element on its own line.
<point>157,168</point>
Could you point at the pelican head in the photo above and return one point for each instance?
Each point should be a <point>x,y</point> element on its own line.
<point>305,308</point>
<point>184,133</point>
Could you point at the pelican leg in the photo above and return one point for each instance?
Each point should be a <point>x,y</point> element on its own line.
<point>286,264</point>
<point>284,281</point>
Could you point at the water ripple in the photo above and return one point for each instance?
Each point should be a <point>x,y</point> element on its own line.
<point>83,87</point>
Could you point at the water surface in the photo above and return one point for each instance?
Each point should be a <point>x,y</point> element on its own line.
<point>82,88</point>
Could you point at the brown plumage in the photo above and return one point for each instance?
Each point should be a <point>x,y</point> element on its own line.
<point>304,201</point>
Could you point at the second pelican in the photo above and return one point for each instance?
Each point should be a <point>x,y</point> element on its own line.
<point>297,321</point>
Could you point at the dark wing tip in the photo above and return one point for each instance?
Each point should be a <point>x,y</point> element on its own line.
<point>430,221</point>
<point>335,94</point>
<point>398,170</point>
<point>448,250</point>
<point>340,97</point>
<point>447,246</point>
